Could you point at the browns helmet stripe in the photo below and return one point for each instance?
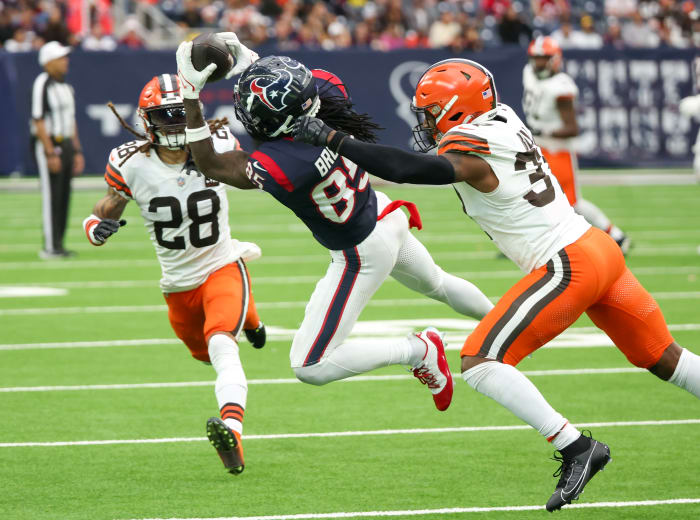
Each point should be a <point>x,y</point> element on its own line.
<point>169,87</point>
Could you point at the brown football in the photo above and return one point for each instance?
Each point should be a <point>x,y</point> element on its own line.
<point>209,48</point>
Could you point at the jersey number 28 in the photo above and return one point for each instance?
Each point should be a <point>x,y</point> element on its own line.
<point>175,221</point>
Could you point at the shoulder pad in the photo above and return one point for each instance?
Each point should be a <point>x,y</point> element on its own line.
<point>464,138</point>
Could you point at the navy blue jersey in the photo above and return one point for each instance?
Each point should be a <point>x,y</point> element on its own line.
<point>329,193</point>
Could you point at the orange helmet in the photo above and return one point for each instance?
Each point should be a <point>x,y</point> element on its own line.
<point>449,93</point>
<point>162,111</point>
<point>545,46</point>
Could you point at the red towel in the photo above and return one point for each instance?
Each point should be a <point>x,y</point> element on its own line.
<point>414,220</point>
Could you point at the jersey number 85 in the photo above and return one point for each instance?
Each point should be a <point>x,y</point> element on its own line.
<point>334,196</point>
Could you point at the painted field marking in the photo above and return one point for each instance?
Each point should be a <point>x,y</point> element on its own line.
<point>291,381</point>
<point>447,510</point>
<point>299,304</point>
<point>24,291</point>
<point>377,330</point>
<point>639,251</point>
<point>357,433</point>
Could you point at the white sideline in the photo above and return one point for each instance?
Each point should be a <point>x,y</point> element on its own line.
<point>288,381</point>
<point>447,510</point>
<point>358,433</point>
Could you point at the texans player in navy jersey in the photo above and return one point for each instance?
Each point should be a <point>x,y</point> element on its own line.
<point>367,238</point>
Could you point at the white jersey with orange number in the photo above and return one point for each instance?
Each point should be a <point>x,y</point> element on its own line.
<point>540,106</point>
<point>185,213</point>
<point>527,215</point>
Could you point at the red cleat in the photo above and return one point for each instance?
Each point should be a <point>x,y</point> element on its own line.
<point>433,369</point>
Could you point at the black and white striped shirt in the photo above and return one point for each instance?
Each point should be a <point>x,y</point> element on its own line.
<point>54,102</point>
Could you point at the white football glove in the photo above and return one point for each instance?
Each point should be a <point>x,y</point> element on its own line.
<point>243,57</point>
<point>191,80</point>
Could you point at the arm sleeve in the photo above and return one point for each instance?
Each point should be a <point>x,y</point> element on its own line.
<point>398,165</point>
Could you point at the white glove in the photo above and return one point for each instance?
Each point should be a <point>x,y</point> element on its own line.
<point>243,57</point>
<point>191,80</point>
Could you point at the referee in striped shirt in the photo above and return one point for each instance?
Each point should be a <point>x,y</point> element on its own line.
<point>56,145</point>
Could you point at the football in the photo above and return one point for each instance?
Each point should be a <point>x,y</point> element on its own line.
<point>209,48</point>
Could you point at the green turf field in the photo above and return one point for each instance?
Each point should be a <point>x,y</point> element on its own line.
<point>106,325</point>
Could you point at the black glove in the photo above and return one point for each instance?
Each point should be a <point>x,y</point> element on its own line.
<point>311,130</point>
<point>106,228</point>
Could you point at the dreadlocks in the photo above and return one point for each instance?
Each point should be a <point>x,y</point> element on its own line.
<point>338,112</point>
<point>214,125</point>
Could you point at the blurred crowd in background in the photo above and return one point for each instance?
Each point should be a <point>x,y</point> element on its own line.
<point>381,25</point>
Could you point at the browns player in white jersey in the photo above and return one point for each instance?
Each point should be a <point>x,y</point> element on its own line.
<point>506,186</point>
<point>204,277</point>
<point>549,103</point>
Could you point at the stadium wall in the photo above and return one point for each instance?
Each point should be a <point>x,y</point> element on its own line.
<point>628,108</point>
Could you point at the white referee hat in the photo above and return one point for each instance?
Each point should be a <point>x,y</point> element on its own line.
<point>51,51</point>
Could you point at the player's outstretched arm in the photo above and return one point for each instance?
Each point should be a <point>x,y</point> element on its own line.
<point>387,162</point>
<point>105,219</point>
<point>228,167</point>
<point>396,165</point>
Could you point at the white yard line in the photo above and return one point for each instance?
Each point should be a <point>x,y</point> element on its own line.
<point>448,510</point>
<point>573,337</point>
<point>670,250</point>
<point>360,433</point>
<point>377,302</point>
<point>288,381</point>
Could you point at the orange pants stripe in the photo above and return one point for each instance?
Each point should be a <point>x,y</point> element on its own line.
<point>564,165</point>
<point>588,276</point>
<point>223,303</point>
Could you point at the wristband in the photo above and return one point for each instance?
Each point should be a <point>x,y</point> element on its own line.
<point>89,226</point>
<point>198,134</point>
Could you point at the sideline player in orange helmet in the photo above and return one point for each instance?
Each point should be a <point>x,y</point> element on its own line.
<point>549,103</point>
<point>504,183</point>
<point>204,277</point>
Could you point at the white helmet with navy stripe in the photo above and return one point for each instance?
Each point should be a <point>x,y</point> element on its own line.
<point>162,111</point>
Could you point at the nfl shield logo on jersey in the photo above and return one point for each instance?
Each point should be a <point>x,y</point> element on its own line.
<point>181,181</point>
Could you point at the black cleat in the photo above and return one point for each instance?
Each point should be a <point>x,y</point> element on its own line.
<point>228,445</point>
<point>257,337</point>
<point>575,473</point>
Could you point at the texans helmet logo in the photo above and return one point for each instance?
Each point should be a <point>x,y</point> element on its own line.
<point>272,91</point>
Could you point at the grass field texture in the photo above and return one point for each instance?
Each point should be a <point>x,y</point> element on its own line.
<point>96,360</point>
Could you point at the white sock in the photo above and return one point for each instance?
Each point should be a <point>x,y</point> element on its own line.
<point>508,386</point>
<point>351,359</point>
<point>231,386</point>
<point>687,373</point>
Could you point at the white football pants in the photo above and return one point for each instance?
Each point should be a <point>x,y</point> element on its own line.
<point>319,354</point>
